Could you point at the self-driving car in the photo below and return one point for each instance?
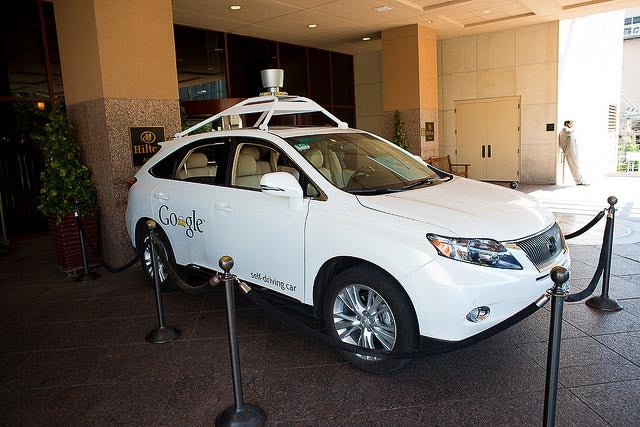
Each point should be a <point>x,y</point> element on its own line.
<point>388,250</point>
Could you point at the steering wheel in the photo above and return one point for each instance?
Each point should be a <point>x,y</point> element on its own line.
<point>362,171</point>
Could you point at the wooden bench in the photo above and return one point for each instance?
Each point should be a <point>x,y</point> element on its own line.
<point>444,164</point>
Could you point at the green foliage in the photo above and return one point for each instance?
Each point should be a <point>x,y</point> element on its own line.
<point>399,137</point>
<point>65,179</point>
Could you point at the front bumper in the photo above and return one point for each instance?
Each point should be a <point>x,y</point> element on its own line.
<point>444,291</point>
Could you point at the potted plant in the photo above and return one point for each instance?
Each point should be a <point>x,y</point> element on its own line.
<point>399,137</point>
<point>66,181</point>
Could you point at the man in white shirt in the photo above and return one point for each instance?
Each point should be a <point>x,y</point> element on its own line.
<point>569,147</point>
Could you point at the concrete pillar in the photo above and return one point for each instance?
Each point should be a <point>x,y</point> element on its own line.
<point>119,70</point>
<point>410,80</point>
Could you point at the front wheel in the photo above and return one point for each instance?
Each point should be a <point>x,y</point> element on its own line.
<point>364,306</point>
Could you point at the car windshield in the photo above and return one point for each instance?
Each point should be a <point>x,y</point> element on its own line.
<point>362,164</point>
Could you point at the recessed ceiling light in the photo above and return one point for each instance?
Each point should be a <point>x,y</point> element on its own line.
<point>312,25</point>
<point>366,39</point>
<point>429,21</point>
<point>382,9</point>
<point>486,11</point>
<point>235,7</point>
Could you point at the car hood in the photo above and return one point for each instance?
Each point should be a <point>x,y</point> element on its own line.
<point>468,208</point>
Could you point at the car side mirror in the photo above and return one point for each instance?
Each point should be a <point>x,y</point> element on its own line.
<point>282,184</point>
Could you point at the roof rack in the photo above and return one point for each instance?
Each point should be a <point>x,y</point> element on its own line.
<point>269,106</point>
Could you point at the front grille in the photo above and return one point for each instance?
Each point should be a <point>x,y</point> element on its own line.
<point>543,247</point>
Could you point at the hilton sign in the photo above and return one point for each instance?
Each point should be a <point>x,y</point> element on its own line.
<point>144,142</point>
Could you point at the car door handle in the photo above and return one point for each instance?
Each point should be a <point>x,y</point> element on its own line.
<point>161,196</point>
<point>224,207</point>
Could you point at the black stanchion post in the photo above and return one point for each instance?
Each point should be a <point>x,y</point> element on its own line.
<point>603,302</point>
<point>559,275</point>
<point>240,414</point>
<point>86,275</point>
<point>163,333</point>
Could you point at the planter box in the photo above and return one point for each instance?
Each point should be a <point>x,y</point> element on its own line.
<point>66,240</point>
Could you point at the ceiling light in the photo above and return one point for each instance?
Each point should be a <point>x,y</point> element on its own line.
<point>486,11</point>
<point>429,21</point>
<point>235,7</point>
<point>366,39</point>
<point>382,9</point>
<point>312,25</point>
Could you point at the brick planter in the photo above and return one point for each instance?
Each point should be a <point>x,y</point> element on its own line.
<point>67,242</point>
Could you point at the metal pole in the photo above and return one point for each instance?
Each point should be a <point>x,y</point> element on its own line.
<point>240,414</point>
<point>603,302</point>
<point>86,275</point>
<point>559,275</point>
<point>163,333</point>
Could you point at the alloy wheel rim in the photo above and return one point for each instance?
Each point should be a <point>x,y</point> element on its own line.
<point>148,264</point>
<point>362,317</point>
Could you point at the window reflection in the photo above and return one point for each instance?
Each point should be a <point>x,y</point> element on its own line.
<point>201,64</point>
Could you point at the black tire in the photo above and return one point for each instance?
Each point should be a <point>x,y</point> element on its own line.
<point>166,284</point>
<point>393,312</point>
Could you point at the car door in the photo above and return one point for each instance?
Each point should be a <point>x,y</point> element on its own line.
<point>264,234</point>
<point>183,206</point>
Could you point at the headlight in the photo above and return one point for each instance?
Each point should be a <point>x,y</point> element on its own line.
<point>485,252</point>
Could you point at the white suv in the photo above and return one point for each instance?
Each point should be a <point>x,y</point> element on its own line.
<point>386,248</point>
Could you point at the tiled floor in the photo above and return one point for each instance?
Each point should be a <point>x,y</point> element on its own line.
<point>75,354</point>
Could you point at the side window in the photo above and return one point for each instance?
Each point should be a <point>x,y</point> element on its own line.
<point>251,162</point>
<point>206,163</point>
<point>203,161</point>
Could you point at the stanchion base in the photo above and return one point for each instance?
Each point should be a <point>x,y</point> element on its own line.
<point>604,304</point>
<point>87,277</point>
<point>163,334</point>
<point>249,415</point>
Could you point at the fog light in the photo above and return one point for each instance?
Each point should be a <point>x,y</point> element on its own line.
<point>478,314</point>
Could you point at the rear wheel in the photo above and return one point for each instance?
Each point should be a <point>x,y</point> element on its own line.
<point>166,284</point>
<point>364,306</point>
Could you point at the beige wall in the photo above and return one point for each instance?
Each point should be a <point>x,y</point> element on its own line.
<point>100,59</point>
<point>368,86</point>
<point>521,61</point>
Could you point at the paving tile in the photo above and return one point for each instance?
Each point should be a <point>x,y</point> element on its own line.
<point>33,407</point>
<point>575,352</point>
<point>211,357</point>
<point>617,403</point>
<point>630,250</point>
<point>598,373</point>
<point>137,328</point>
<point>535,328</point>
<point>619,287</point>
<point>140,362</point>
<point>87,333</point>
<point>621,265</point>
<point>585,253</point>
<point>121,403</point>
<point>23,294</point>
<point>197,401</point>
<point>596,322</point>
<point>56,368</point>
<point>580,270</point>
<point>292,350</point>
<point>526,409</point>
<point>633,278</point>
<point>625,344</point>
<point>68,290</point>
<point>16,338</point>
<point>173,302</point>
<point>632,306</point>
<point>9,362</point>
<point>212,324</point>
<point>110,307</point>
<point>40,312</point>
